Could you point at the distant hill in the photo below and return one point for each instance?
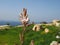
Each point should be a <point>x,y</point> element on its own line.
<point>12,23</point>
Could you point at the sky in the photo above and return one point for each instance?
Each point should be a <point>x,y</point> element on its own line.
<point>38,10</point>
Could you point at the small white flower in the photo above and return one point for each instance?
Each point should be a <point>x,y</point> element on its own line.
<point>57,36</point>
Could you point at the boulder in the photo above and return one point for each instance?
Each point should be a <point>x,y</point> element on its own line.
<point>46,30</point>
<point>54,43</point>
<point>57,24</point>
<point>36,27</point>
<point>32,42</point>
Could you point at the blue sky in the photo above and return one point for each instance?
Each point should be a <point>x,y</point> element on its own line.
<point>38,10</point>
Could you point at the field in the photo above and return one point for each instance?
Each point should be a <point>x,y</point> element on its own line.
<point>11,36</point>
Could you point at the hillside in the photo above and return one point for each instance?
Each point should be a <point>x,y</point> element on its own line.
<point>11,36</point>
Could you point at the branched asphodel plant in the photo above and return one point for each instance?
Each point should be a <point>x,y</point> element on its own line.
<point>24,19</point>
